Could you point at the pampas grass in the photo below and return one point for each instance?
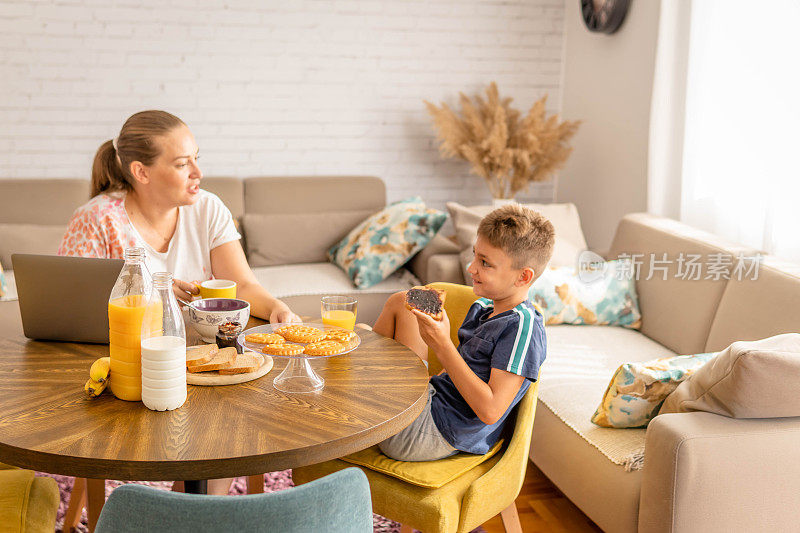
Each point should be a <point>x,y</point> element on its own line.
<point>507,150</point>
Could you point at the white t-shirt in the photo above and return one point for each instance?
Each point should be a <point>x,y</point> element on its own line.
<point>101,228</point>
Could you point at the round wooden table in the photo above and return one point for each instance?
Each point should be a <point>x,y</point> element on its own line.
<point>48,424</point>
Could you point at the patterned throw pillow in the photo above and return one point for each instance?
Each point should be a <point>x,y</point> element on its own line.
<point>386,240</point>
<point>3,288</point>
<point>637,390</point>
<point>606,298</point>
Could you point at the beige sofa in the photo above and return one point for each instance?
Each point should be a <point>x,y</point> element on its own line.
<point>702,472</point>
<point>287,225</point>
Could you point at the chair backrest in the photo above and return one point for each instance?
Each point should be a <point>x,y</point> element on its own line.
<point>504,480</point>
<point>338,502</point>
<point>457,302</point>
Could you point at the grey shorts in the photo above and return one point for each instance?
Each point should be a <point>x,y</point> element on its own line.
<point>420,441</point>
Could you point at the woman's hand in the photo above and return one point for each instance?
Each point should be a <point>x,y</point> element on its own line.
<point>282,313</point>
<point>185,290</point>
<point>435,333</point>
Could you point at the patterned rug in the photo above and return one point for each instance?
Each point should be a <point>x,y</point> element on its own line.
<point>273,481</point>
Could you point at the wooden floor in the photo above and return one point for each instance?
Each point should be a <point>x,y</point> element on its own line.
<point>543,508</point>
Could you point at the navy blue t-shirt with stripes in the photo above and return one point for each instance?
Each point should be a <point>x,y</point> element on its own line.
<point>513,341</point>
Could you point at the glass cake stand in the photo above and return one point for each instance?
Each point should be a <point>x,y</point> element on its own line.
<point>298,376</point>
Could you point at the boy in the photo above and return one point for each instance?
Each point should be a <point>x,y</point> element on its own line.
<point>502,342</point>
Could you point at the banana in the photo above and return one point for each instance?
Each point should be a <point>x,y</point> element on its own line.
<point>100,370</point>
<point>94,389</point>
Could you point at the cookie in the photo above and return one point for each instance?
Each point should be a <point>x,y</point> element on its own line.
<point>298,333</point>
<point>326,347</point>
<point>265,338</point>
<point>282,349</point>
<point>340,335</point>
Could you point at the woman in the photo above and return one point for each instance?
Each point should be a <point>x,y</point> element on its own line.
<point>146,192</point>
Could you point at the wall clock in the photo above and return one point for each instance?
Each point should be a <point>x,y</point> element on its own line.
<point>604,16</point>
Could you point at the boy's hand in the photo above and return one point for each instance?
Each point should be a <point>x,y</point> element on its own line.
<point>435,333</point>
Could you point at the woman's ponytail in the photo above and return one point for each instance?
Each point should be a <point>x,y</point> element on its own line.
<point>107,173</point>
<point>136,142</point>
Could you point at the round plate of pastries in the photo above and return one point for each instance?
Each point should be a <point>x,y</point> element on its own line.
<point>299,340</point>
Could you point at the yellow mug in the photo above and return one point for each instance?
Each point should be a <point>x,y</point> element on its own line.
<point>218,288</point>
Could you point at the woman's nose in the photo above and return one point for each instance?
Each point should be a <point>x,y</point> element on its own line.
<point>196,172</point>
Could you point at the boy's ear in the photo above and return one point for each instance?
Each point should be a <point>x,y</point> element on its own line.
<point>526,276</point>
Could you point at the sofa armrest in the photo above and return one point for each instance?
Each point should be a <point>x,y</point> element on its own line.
<point>705,472</point>
<point>420,264</point>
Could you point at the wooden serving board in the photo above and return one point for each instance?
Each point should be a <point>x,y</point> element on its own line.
<point>215,378</point>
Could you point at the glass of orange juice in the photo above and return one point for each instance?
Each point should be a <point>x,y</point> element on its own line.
<point>339,311</point>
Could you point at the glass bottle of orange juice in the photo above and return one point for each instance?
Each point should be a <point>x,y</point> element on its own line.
<point>126,307</point>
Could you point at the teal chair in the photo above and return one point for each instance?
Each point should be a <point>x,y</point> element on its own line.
<point>339,502</point>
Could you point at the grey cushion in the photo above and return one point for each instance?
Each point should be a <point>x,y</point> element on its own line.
<point>282,239</point>
<point>28,239</point>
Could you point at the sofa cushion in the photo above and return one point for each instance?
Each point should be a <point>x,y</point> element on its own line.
<point>29,239</point>
<point>283,239</point>
<point>569,236</point>
<point>749,379</point>
<point>44,201</point>
<point>3,284</point>
<point>743,315</point>
<point>637,390</point>
<point>677,310</point>
<point>313,194</point>
<point>301,287</point>
<point>575,375</point>
<point>230,191</point>
<point>10,290</point>
<point>607,298</point>
<point>386,240</point>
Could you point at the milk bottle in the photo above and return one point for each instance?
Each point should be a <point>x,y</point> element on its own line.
<point>163,348</point>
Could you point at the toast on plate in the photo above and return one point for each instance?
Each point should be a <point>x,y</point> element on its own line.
<point>200,355</point>
<point>222,359</point>
<point>242,364</point>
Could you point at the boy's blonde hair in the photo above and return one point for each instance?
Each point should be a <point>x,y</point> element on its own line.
<point>524,234</point>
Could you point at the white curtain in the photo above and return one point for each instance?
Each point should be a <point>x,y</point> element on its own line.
<point>740,173</point>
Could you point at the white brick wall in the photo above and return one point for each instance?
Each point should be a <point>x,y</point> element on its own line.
<point>270,88</point>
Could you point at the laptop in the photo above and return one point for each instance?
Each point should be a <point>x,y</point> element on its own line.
<point>65,298</point>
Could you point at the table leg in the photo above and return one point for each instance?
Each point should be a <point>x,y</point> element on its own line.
<point>195,486</point>
<point>77,501</point>
<point>255,484</point>
<point>95,499</point>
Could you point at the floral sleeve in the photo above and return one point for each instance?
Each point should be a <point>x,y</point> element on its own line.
<point>99,229</point>
<point>84,238</point>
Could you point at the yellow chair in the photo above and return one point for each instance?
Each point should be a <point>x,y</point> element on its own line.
<point>27,503</point>
<point>474,497</point>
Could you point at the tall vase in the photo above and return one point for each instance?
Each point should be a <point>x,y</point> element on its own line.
<point>500,202</point>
